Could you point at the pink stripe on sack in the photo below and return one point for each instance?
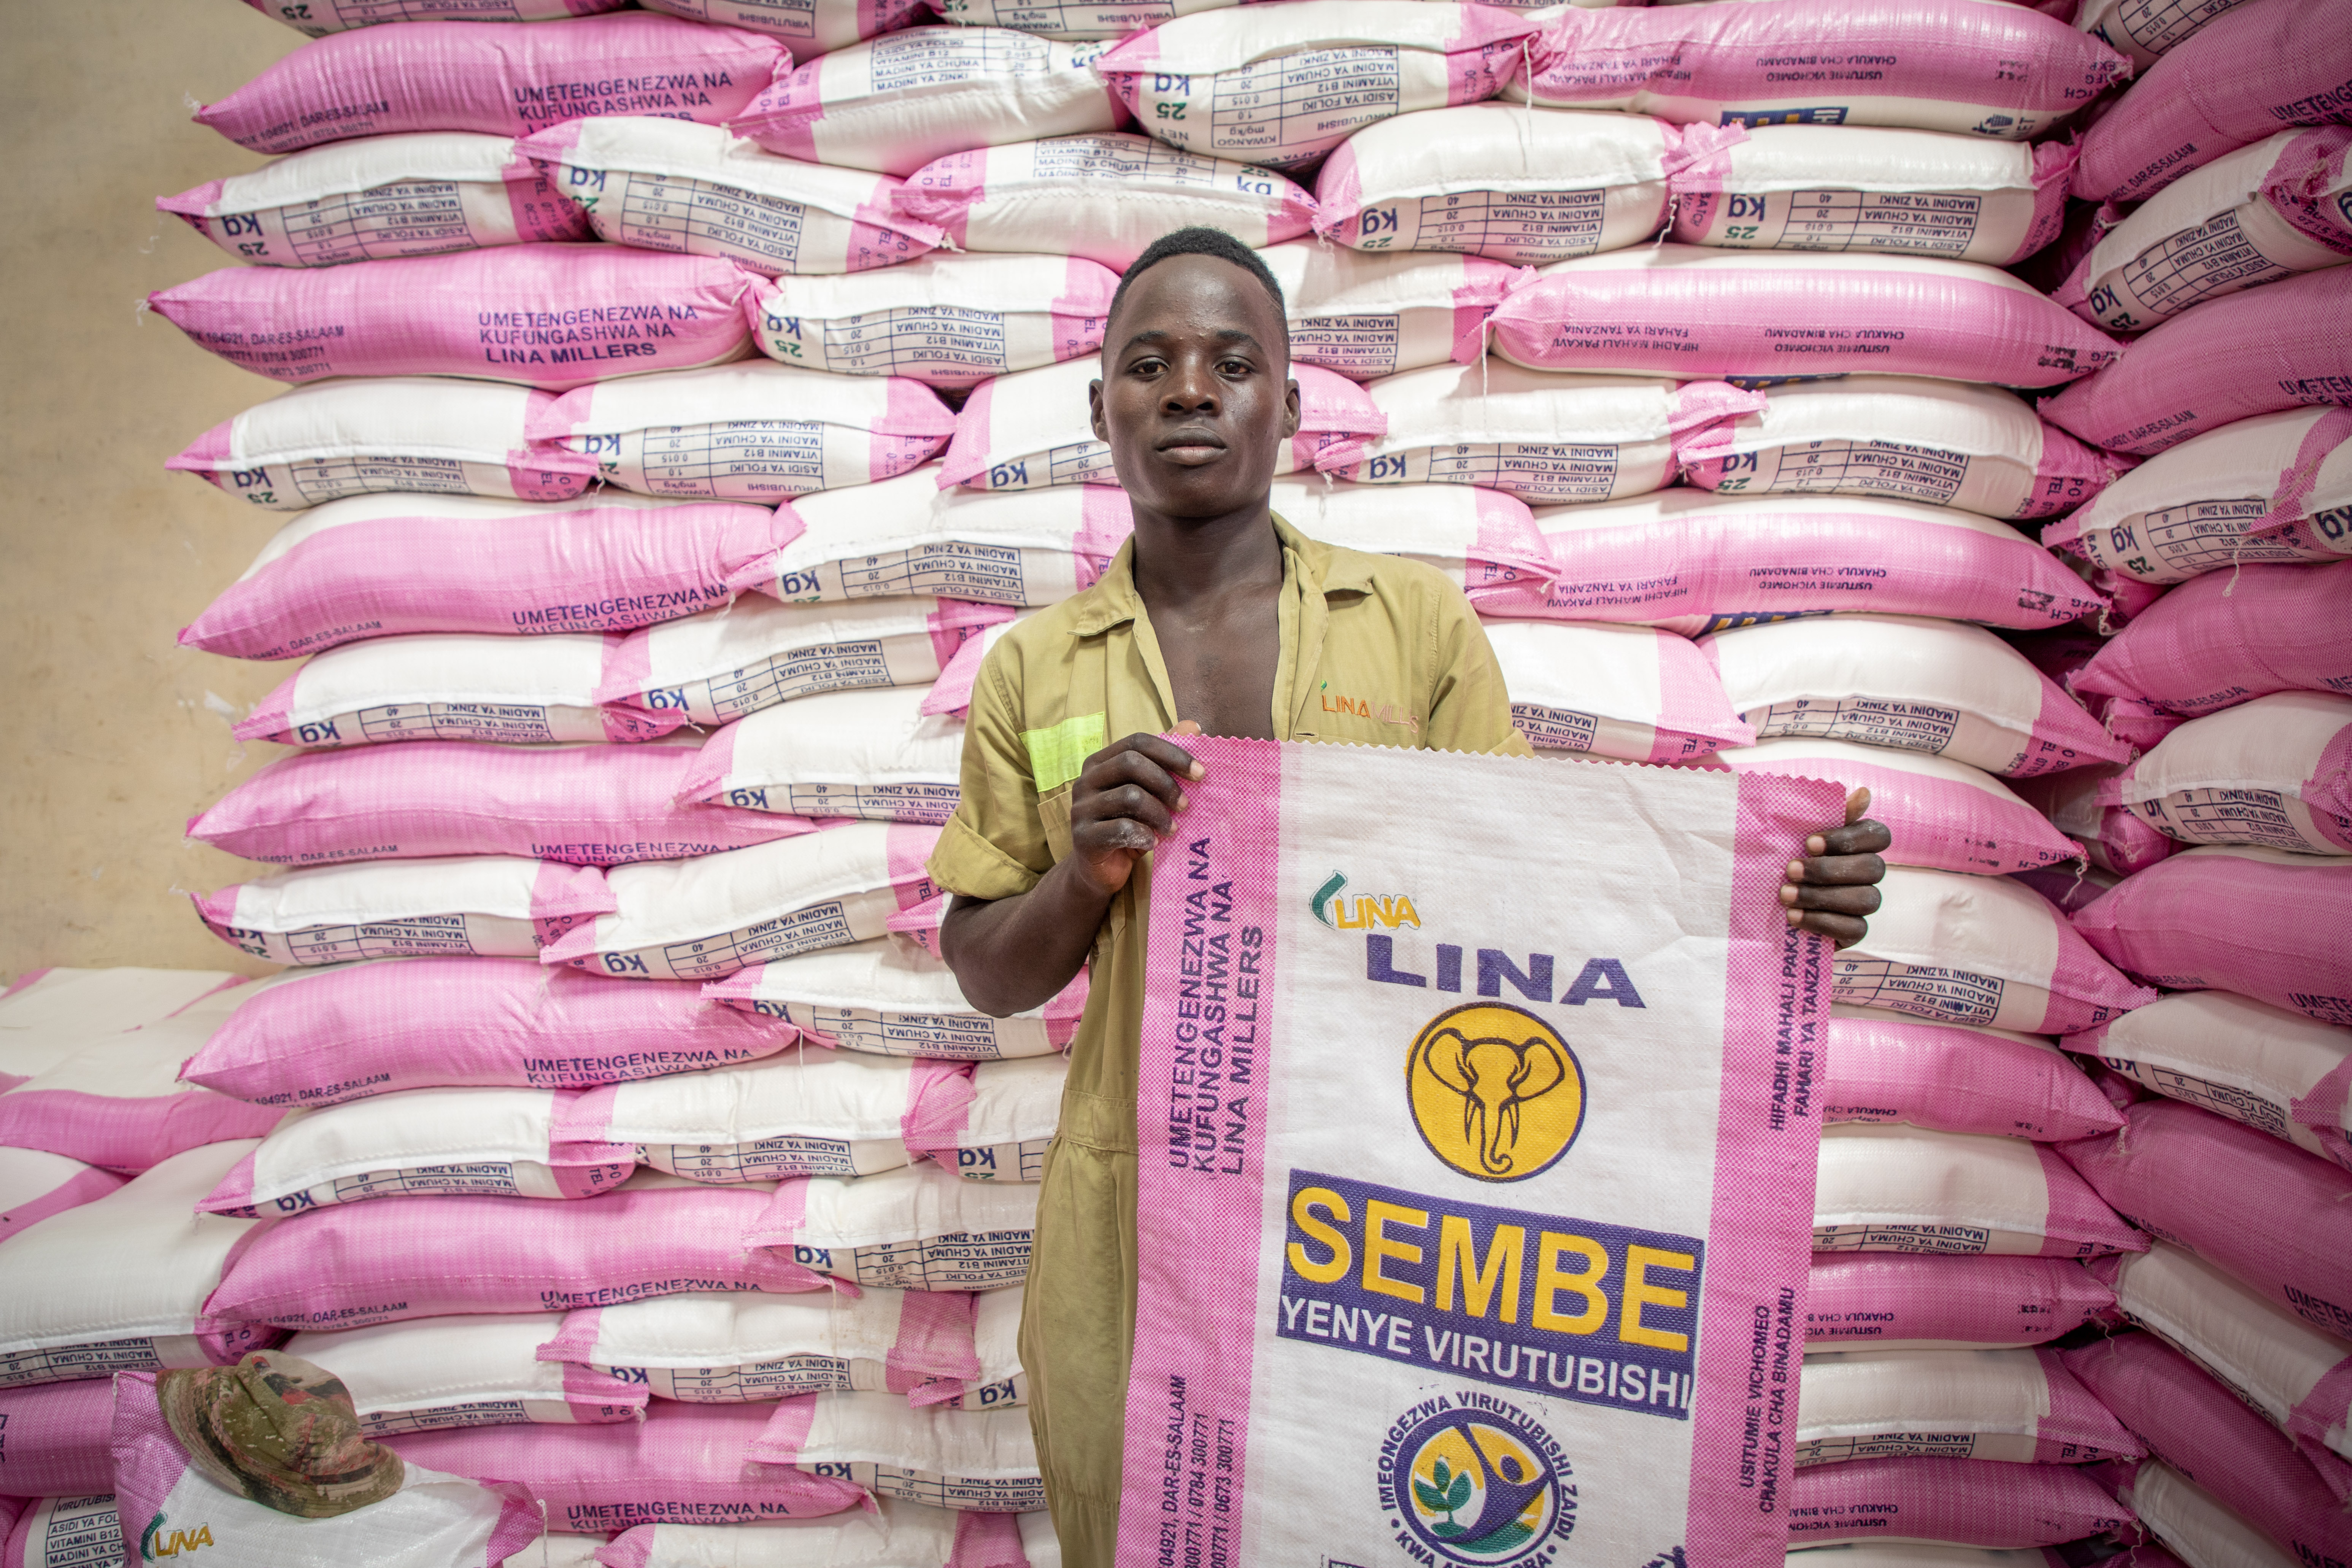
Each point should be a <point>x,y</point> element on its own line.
<point>1484,282</point>
<point>941,194</point>
<point>2077,1429</point>
<point>2069,473</point>
<point>935,1329</point>
<point>780,1442</point>
<point>86,1187</point>
<point>1775,1004</point>
<point>194,203</point>
<point>907,849</point>
<point>1339,194</point>
<point>2077,1225</point>
<point>210,451</point>
<point>122,1134</point>
<point>1686,693</point>
<point>987,1541</point>
<point>1698,157</point>
<point>2296,187</point>
<point>2320,1414</point>
<point>784,117</point>
<point>2054,166</point>
<point>2292,498</point>
<point>1105,521</point>
<point>968,448</point>
<point>1064,1011</point>
<point>1081,310</point>
<point>918,924</point>
<point>1197,1256</point>
<point>599,1399</point>
<point>878,238</point>
<point>575,1337</point>
<point>22,980</point>
<point>939,1107</point>
<point>958,621</point>
<point>2324,1110</point>
<point>778,1225</point>
<point>148,1461</point>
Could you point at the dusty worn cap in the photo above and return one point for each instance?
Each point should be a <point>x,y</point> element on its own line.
<point>281,1431</point>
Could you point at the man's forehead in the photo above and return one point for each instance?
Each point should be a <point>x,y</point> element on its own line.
<point>1186,294</point>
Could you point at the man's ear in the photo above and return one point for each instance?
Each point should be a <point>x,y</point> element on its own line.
<point>1095,411</point>
<point>1290,414</point>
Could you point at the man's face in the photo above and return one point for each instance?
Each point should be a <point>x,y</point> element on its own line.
<point>1196,398</point>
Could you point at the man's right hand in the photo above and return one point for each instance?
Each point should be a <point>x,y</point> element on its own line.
<point>1124,804</point>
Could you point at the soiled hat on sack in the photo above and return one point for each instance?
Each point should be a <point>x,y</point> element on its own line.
<point>280,1431</point>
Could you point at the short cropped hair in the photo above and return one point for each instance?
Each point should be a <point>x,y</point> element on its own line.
<point>1200,241</point>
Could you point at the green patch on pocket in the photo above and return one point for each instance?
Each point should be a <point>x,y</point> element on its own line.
<point>1059,753</point>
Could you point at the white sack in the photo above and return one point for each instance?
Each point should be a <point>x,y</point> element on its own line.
<point>892,998</point>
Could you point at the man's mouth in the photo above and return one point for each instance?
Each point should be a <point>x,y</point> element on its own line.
<point>1191,446</point>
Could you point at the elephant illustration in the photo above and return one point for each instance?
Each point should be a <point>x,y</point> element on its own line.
<point>1495,1077</point>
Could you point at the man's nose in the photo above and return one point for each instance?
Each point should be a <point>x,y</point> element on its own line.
<point>1189,388</point>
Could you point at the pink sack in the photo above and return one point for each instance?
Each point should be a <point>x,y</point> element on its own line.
<point>2219,640</point>
<point>494,906</point>
<point>2200,1429</point>
<point>549,316</point>
<point>345,1033</point>
<point>810,30</point>
<point>2262,923</point>
<point>2240,79</point>
<point>35,1183</point>
<point>381,567</point>
<point>892,104</point>
<point>319,17</point>
<point>318,444</point>
<point>385,195</point>
<point>1944,815</point>
<point>2285,344</point>
<point>1688,311</point>
<point>512,81</point>
<point>433,1520</point>
<point>914,1534</point>
<point>682,1464</point>
<point>1968,1503</point>
<point>379,1262</point>
<point>580,804</point>
<point>116,1102</point>
<point>1951,1078</point>
<point>454,686</point>
<point>1695,562</point>
<point>1867,1300</point>
<point>2275,1218</point>
<point>53,1437</point>
<point>1937,65</point>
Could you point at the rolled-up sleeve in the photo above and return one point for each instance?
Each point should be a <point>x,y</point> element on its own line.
<point>994,846</point>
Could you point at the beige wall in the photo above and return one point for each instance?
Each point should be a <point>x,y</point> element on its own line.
<point>115,734</point>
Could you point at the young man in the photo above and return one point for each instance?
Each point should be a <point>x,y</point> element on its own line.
<point>1217,618</point>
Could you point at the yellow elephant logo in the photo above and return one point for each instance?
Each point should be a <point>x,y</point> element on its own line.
<point>1495,1093</point>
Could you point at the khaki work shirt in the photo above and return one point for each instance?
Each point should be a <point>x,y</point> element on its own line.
<point>1376,651</point>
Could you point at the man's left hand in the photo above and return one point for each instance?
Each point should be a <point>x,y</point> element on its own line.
<point>1835,886</point>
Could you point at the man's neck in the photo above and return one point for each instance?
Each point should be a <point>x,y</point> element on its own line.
<point>1187,563</point>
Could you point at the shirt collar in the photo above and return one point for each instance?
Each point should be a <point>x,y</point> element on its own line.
<point>1115,601</point>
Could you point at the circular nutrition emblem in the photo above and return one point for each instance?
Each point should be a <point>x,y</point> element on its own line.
<point>1479,1485</point>
<point>1494,1092</point>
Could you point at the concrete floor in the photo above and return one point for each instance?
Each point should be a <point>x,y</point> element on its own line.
<point>117,734</point>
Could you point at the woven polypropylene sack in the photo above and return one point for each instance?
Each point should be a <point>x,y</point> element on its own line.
<point>326,1036</point>
<point>1910,683</point>
<point>2275,770</point>
<point>557,316</point>
<point>1968,1502</point>
<point>492,906</point>
<point>389,565</point>
<point>2021,1406</point>
<point>2225,917</point>
<point>1938,443</point>
<point>944,320</point>
<point>1372,313</point>
<point>2281,346</point>
<point>1920,1300</point>
<point>1637,693</point>
<point>2275,488</point>
<point>2273,1218</point>
<point>1907,1189</point>
<point>669,184</point>
<point>319,17</point>
<point>1824,187</point>
<point>1384,57</point>
<point>1516,184</point>
<point>1956,1077</point>
<point>1102,197</point>
<point>2003,71</point>
<point>895,103</point>
<point>2238,80</point>
<point>2226,637</point>
<point>416,194</point>
<point>1689,311</point>
<point>1700,562</point>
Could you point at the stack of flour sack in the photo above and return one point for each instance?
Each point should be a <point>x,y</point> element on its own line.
<point>682,401</point>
